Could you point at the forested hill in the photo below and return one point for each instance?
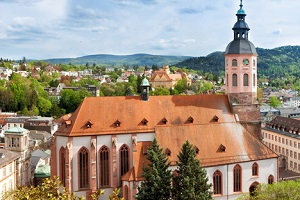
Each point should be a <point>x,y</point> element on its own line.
<point>120,60</point>
<point>271,62</point>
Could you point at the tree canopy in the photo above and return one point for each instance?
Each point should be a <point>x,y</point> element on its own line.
<point>157,176</point>
<point>190,181</point>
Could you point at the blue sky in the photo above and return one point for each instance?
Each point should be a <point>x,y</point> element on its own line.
<point>41,29</point>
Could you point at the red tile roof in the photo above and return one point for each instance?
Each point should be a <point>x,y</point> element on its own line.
<point>130,111</point>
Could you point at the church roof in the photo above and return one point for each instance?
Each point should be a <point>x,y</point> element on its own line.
<point>240,145</point>
<point>126,114</point>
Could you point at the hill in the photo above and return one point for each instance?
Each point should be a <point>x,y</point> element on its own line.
<point>271,62</point>
<point>119,60</point>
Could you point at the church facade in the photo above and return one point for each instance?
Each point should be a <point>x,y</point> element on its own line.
<point>103,145</point>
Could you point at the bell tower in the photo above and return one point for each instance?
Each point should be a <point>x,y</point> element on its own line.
<point>241,64</point>
<point>241,76</point>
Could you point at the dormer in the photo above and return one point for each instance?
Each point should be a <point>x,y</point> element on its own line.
<point>215,119</point>
<point>144,122</point>
<point>164,121</point>
<point>222,148</point>
<point>168,152</point>
<point>68,123</point>
<point>117,123</point>
<point>190,120</point>
<point>196,150</point>
<point>89,124</point>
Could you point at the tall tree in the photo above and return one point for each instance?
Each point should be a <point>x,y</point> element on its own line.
<point>190,181</point>
<point>157,183</point>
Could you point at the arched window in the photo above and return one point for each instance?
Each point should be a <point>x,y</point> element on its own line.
<point>234,80</point>
<point>227,81</point>
<point>124,159</point>
<point>254,64</point>
<point>126,193</point>
<point>237,178</point>
<point>234,62</point>
<point>104,166</point>
<point>62,165</point>
<point>254,80</point>
<point>83,169</point>
<point>255,169</point>
<point>217,182</point>
<point>270,179</point>
<point>246,80</point>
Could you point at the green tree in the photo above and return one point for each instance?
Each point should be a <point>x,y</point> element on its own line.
<point>71,99</point>
<point>49,189</point>
<point>157,183</point>
<point>160,91</point>
<point>274,102</point>
<point>277,191</point>
<point>190,181</point>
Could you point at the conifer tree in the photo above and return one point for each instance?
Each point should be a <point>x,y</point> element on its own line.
<point>190,180</point>
<point>157,183</point>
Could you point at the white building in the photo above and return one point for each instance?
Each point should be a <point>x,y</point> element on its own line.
<point>282,135</point>
<point>8,170</point>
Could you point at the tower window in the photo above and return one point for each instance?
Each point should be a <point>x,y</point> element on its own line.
<point>246,80</point>
<point>234,63</point>
<point>234,80</point>
<point>254,80</point>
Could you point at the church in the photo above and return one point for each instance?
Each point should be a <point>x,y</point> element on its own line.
<point>103,145</point>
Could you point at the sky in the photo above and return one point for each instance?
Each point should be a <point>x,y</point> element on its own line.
<point>43,29</point>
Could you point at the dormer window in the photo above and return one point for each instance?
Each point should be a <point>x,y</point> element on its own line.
<point>68,123</point>
<point>164,121</point>
<point>117,123</point>
<point>89,124</point>
<point>222,148</point>
<point>215,119</point>
<point>168,152</point>
<point>196,150</point>
<point>144,122</point>
<point>190,120</point>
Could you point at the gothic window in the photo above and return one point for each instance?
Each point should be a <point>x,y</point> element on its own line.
<point>62,170</point>
<point>126,193</point>
<point>234,62</point>
<point>237,178</point>
<point>104,166</point>
<point>83,169</point>
<point>255,169</point>
<point>270,179</point>
<point>217,182</point>
<point>124,159</point>
<point>234,80</point>
<point>246,80</point>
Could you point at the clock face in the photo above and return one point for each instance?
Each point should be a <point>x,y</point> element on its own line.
<point>246,61</point>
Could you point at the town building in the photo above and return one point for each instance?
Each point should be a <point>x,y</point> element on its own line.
<point>163,78</point>
<point>8,170</point>
<point>282,135</point>
<point>103,145</point>
<point>17,140</point>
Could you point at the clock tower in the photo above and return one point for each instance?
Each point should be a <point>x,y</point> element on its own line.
<point>241,64</point>
<point>241,75</point>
